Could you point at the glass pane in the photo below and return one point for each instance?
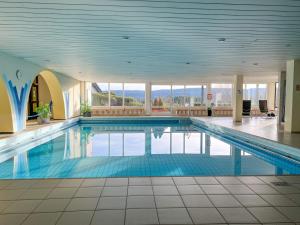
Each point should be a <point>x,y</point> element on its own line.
<point>194,95</point>
<point>116,144</point>
<point>262,91</point>
<point>100,94</point>
<point>116,94</point>
<point>134,94</point>
<point>161,98</point>
<point>192,143</point>
<point>100,145</point>
<point>221,94</point>
<point>177,143</point>
<point>250,93</point>
<point>134,144</point>
<point>178,96</point>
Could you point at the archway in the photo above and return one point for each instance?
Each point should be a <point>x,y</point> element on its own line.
<point>51,87</point>
<point>6,112</point>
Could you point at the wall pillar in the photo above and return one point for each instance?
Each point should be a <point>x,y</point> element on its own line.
<point>281,95</point>
<point>148,98</point>
<point>237,98</point>
<point>292,107</point>
<point>271,95</point>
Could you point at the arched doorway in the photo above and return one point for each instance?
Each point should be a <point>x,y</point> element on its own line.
<point>46,88</point>
<point>6,112</point>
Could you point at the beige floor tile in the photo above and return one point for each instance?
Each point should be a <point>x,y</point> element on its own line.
<point>140,190</point>
<point>141,216</point>
<point>250,180</point>
<point>112,203</point>
<point>228,180</point>
<point>22,206</point>
<point>95,182</point>
<point>140,202</point>
<point>78,204</point>
<point>206,180</point>
<point>238,189</point>
<point>224,201</point>
<point>196,201</point>
<point>62,193</point>
<point>114,191</point>
<point>116,182</point>
<point>190,190</point>
<point>165,190</point>
<point>5,204</point>
<point>12,219</point>
<point>168,202</point>
<point>87,192</point>
<point>11,194</point>
<point>36,193</point>
<point>42,219</point>
<point>237,215</point>
<point>262,189</point>
<point>162,181</point>
<point>144,181</point>
<point>109,217</point>
<point>278,200</point>
<point>174,216</point>
<point>268,215</point>
<point>205,216</point>
<point>293,213</point>
<point>76,218</point>
<point>184,180</point>
<point>69,183</point>
<point>251,200</point>
<point>52,205</point>
<point>214,189</point>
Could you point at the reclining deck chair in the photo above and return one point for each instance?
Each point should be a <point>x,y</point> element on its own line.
<point>246,108</point>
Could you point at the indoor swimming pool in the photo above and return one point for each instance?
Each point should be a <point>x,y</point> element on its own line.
<point>164,148</point>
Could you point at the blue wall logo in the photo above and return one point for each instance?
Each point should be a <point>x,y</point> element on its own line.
<point>18,101</point>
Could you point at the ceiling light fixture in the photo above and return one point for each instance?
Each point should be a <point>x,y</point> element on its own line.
<point>126,37</point>
<point>222,39</point>
<point>255,64</point>
<point>187,63</point>
<point>128,61</point>
<point>288,45</point>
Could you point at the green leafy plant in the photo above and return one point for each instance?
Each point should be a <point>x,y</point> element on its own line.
<point>44,111</point>
<point>85,108</point>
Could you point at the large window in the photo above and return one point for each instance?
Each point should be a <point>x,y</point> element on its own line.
<point>221,94</point>
<point>255,92</point>
<point>100,94</point>
<point>134,94</point>
<point>118,94</point>
<point>161,98</point>
<point>179,96</point>
<point>195,95</point>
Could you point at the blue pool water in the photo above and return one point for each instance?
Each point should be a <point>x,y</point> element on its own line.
<point>151,149</point>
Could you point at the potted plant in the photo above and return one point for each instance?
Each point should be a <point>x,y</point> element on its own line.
<point>44,113</point>
<point>86,109</point>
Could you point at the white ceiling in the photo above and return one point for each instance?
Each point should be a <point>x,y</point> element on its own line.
<point>157,40</point>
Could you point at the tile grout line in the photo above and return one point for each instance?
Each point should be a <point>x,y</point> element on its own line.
<point>125,216</point>
<point>154,199</point>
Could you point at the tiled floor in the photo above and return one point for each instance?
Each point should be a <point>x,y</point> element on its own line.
<point>156,200</point>
<point>259,126</point>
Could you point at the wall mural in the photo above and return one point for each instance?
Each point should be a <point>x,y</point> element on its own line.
<point>18,101</point>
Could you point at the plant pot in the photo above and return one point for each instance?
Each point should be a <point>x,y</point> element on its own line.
<point>87,114</point>
<point>209,112</point>
<point>43,120</point>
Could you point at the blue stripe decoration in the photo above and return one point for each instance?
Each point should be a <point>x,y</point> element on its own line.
<point>67,102</point>
<point>18,101</point>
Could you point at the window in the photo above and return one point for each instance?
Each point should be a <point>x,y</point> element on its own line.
<point>255,92</point>
<point>116,94</point>
<point>100,94</point>
<point>194,95</point>
<point>161,98</point>
<point>221,94</point>
<point>178,93</point>
<point>134,94</point>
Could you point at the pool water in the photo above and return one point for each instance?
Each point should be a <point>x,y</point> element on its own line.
<point>140,150</point>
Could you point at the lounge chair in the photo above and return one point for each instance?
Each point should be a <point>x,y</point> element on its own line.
<point>263,108</point>
<point>246,108</point>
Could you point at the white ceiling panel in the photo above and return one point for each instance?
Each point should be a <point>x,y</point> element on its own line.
<point>156,40</point>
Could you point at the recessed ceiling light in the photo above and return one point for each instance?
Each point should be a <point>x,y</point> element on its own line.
<point>255,64</point>
<point>125,37</point>
<point>243,61</point>
<point>288,45</point>
<point>222,39</point>
<point>188,63</point>
<point>128,61</point>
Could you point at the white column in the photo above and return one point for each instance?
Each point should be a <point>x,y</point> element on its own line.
<point>237,98</point>
<point>292,106</point>
<point>148,98</point>
<point>208,93</point>
<point>271,96</point>
<point>281,96</point>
